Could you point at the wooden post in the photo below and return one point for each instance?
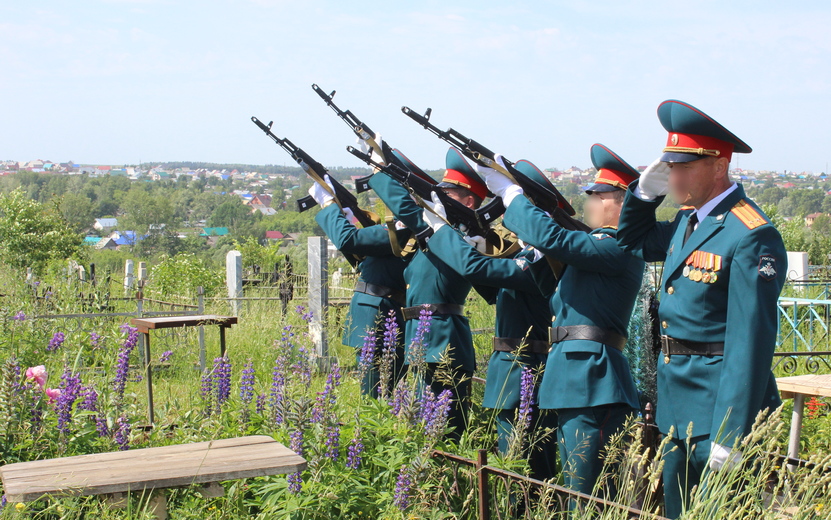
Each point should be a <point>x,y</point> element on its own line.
<point>233,279</point>
<point>319,295</point>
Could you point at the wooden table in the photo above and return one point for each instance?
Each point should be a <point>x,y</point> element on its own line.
<point>145,325</point>
<point>797,388</point>
<point>138,471</point>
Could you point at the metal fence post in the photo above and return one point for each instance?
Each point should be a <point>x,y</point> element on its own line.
<point>482,481</point>
<point>200,302</point>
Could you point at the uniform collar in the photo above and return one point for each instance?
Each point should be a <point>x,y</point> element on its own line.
<point>708,208</point>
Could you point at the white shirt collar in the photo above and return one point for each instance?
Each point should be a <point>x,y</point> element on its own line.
<point>705,210</point>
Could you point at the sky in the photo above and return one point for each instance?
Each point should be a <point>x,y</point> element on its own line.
<point>130,81</point>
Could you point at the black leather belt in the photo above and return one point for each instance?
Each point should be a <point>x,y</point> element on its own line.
<point>586,332</point>
<point>534,346</point>
<point>682,347</point>
<point>380,291</point>
<point>412,313</point>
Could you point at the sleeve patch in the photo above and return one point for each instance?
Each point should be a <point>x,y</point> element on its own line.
<point>748,215</point>
<point>522,263</point>
<point>601,236</point>
<point>767,267</point>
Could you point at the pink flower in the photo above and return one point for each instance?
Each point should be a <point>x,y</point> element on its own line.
<point>38,374</point>
<point>52,393</point>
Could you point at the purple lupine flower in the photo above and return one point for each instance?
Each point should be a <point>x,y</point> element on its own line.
<point>391,333</point>
<point>307,316</point>
<point>246,383</point>
<point>20,316</point>
<point>207,391</point>
<point>356,448</point>
<point>122,433</point>
<point>327,398</point>
<point>165,357</point>
<point>122,364</point>
<point>367,356</point>
<point>400,397</point>
<point>95,340</point>
<point>302,367</point>
<point>278,387</point>
<point>3,502</point>
<point>526,397</point>
<point>222,377</point>
<point>435,424</point>
<point>332,441</point>
<point>70,390</point>
<point>403,486</point>
<point>56,342</point>
<point>296,441</point>
<point>260,406</point>
<point>418,347</point>
<point>426,404</point>
<point>90,404</point>
<point>295,482</point>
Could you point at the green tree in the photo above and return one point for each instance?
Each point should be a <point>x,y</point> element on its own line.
<point>77,210</point>
<point>32,234</point>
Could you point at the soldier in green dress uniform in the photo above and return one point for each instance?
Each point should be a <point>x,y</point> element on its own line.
<point>380,287</point>
<point>587,379</point>
<point>525,283</point>
<point>724,267</point>
<point>435,286</point>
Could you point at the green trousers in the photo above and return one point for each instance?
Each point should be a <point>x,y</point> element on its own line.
<point>685,461</point>
<point>540,449</point>
<point>583,433</point>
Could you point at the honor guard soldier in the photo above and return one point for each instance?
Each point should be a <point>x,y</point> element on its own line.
<point>587,379</point>
<point>434,286</point>
<point>380,287</point>
<point>525,283</point>
<point>724,266</point>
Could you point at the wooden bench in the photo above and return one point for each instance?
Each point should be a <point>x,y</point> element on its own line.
<point>145,325</point>
<point>116,474</point>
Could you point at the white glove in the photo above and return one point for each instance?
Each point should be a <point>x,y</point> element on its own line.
<point>724,457</point>
<point>367,148</point>
<point>319,193</point>
<point>654,181</point>
<point>438,216</point>
<point>350,216</point>
<point>498,183</point>
<point>478,242</point>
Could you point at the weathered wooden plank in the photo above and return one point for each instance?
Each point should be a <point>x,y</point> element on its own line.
<point>172,466</point>
<point>150,468</point>
<point>812,385</point>
<point>161,452</point>
<point>164,322</point>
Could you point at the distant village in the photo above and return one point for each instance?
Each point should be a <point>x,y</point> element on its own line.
<point>256,194</point>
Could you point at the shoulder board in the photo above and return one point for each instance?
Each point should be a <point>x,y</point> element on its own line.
<point>749,216</point>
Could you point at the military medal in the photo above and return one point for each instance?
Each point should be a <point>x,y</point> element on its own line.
<point>686,271</point>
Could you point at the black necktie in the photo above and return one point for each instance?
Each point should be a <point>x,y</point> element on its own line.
<point>691,222</point>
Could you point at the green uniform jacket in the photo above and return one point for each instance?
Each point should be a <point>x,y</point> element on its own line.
<point>429,280</point>
<point>598,287</point>
<point>379,267</point>
<point>740,309</point>
<point>525,284</point>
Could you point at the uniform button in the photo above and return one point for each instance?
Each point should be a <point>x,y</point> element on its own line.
<point>671,290</point>
<point>664,324</point>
